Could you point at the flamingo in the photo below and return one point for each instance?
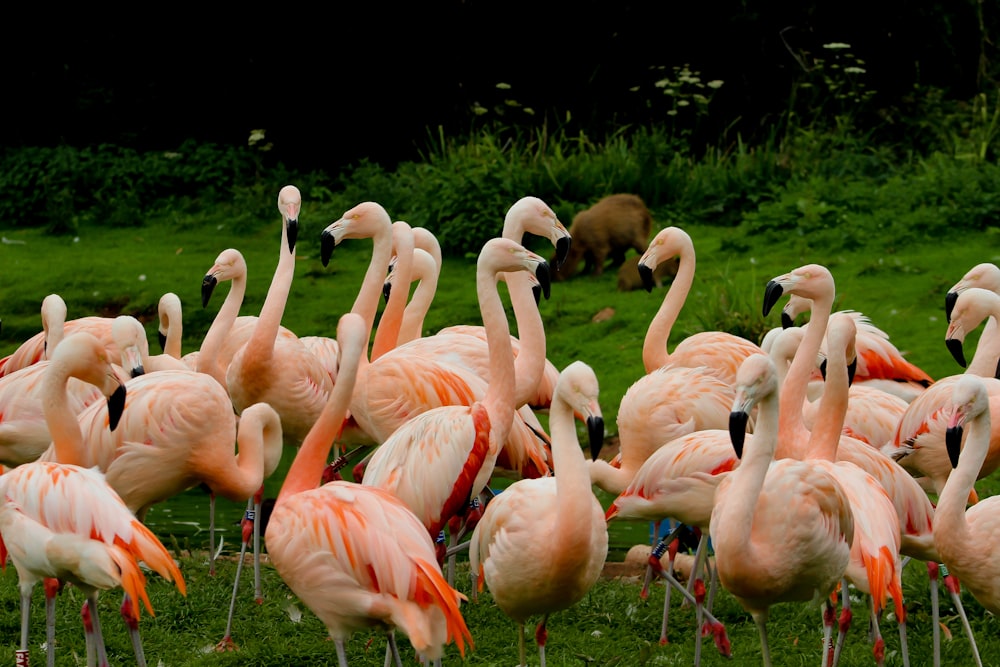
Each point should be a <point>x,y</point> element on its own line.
<point>54,328</point>
<point>919,442</point>
<point>130,337</point>
<point>440,459</point>
<point>782,528</point>
<point>24,430</point>
<point>716,349</point>
<point>170,331</point>
<point>968,538</point>
<point>984,275</point>
<point>540,545</point>
<point>64,521</point>
<point>280,370</point>
<point>356,555</point>
<point>879,363</point>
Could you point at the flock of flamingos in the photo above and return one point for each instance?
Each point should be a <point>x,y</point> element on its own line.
<point>809,460</point>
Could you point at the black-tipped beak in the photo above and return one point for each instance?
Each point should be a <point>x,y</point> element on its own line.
<point>822,369</point>
<point>957,351</point>
<point>786,321</point>
<point>208,284</point>
<point>949,303</point>
<point>536,291</point>
<point>953,443</point>
<point>163,341</point>
<point>772,293</point>
<point>544,278</point>
<point>292,231</point>
<point>138,370</point>
<point>595,431</point>
<point>116,406</point>
<point>646,274</point>
<point>562,250</point>
<point>738,420</point>
<point>852,370</point>
<point>327,243</point>
<point>386,290</point>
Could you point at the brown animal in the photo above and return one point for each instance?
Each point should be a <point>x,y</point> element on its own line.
<point>606,230</point>
<point>629,278</point>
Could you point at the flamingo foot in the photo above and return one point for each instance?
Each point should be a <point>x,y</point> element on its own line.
<point>227,644</point>
<point>719,635</point>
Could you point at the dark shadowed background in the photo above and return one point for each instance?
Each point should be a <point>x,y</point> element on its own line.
<point>334,83</point>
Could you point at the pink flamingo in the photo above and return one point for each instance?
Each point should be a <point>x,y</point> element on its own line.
<point>54,328</point>
<point>782,528</point>
<point>356,555</point>
<point>540,545</point>
<point>130,338</point>
<point>63,521</point>
<point>716,349</point>
<point>24,431</point>
<point>425,271</point>
<point>985,275</point>
<point>918,443</point>
<point>968,538</point>
<point>170,330</point>
<point>439,460</point>
<point>280,370</point>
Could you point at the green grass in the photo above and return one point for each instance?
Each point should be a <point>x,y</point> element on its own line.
<point>108,271</point>
<point>610,626</point>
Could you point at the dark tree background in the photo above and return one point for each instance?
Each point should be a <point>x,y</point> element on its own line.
<point>332,84</point>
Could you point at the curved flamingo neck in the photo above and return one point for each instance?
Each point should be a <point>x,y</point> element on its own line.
<point>306,470</point>
<point>211,345</point>
<point>654,347</point>
<point>573,486</point>
<point>53,322</point>
<point>794,392</point>
<point>986,358</point>
<point>824,439</point>
<point>499,399</point>
<point>387,333</point>
<point>366,302</point>
<point>258,424</point>
<point>950,523</point>
<point>265,331</point>
<point>529,365</point>
<point>412,326</point>
<point>64,429</point>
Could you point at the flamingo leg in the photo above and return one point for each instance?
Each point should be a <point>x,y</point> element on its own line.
<point>52,587</point>
<point>843,624</point>
<point>133,631</point>
<point>21,656</point>
<point>953,586</point>
<point>542,636</point>
<point>93,620</point>
<point>227,643</point>
<point>258,589</point>
<point>211,533</point>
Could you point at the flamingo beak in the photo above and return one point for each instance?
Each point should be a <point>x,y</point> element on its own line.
<point>116,406</point>
<point>544,278</point>
<point>772,293</point>
<point>208,284</point>
<point>646,274</point>
<point>953,443</point>
<point>327,242</point>
<point>738,420</point>
<point>562,250</point>
<point>595,432</point>
<point>957,350</point>
<point>949,303</point>
<point>292,231</point>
